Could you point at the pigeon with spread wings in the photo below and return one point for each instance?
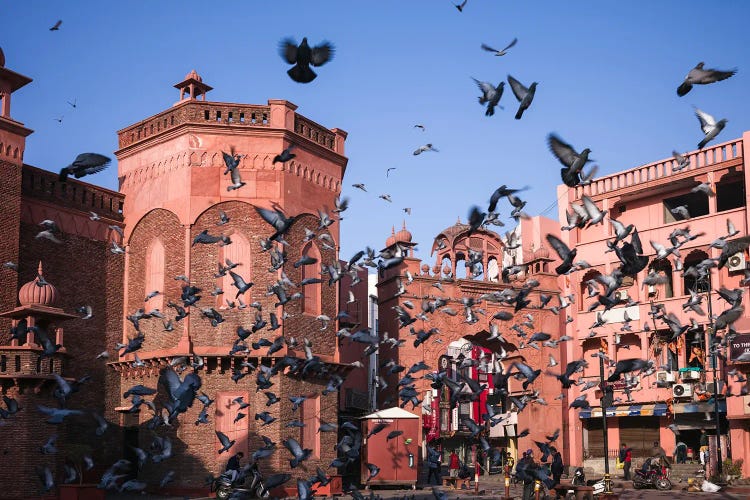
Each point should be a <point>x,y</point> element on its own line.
<point>302,56</point>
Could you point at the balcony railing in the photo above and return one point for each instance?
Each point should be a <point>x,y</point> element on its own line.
<point>660,169</point>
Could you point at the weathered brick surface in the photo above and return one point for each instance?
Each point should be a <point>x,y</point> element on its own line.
<point>84,272</point>
<point>165,226</point>
<point>10,218</point>
<point>195,446</point>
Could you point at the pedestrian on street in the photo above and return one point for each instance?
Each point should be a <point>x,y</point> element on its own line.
<point>557,467</point>
<point>626,457</point>
<point>680,452</point>
<point>433,465</point>
<point>526,471</point>
<point>454,464</point>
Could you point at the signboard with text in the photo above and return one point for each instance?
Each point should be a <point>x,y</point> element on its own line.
<point>738,346</point>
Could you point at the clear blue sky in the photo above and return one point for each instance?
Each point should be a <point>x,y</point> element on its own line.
<point>607,74</point>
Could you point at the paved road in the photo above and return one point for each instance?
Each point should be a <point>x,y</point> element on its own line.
<point>516,491</point>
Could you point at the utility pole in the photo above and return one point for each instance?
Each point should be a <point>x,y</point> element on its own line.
<point>714,362</point>
<point>606,401</point>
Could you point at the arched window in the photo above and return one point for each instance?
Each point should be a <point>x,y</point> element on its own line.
<point>662,267</point>
<point>690,281</point>
<point>237,253</point>
<point>493,270</point>
<point>155,274</point>
<point>585,301</point>
<point>311,292</point>
<point>461,270</point>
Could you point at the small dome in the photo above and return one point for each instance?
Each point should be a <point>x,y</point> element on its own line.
<point>425,269</point>
<point>194,75</point>
<point>541,253</point>
<point>446,269</point>
<point>436,269</point>
<point>2,58</point>
<point>33,294</point>
<point>403,236</point>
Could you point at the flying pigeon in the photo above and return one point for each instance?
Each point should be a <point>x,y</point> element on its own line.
<point>710,126</point>
<point>303,56</point>
<point>490,95</point>
<point>523,94</point>
<point>500,52</point>
<point>700,76</point>
<point>571,160</point>
<point>285,155</point>
<point>422,149</point>
<point>84,164</point>
<point>56,27</point>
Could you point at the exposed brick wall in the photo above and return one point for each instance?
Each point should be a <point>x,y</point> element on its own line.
<point>10,218</point>
<point>302,325</point>
<point>84,272</point>
<point>195,446</point>
<point>164,225</point>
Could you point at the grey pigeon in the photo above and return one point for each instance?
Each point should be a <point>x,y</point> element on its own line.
<point>302,56</point>
<point>84,164</point>
<point>523,94</point>
<point>500,52</point>
<point>566,255</point>
<point>700,76</point>
<point>709,126</point>
<point>285,155</point>
<point>490,95</point>
<point>571,160</point>
<point>420,150</point>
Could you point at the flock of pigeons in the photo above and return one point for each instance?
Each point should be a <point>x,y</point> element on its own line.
<point>184,390</point>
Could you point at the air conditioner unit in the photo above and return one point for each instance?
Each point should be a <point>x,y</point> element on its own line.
<point>682,390</point>
<point>690,375</point>
<point>736,262</point>
<point>621,295</point>
<point>710,387</point>
<point>664,377</point>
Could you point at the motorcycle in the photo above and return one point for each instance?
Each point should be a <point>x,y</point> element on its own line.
<point>579,479</point>
<point>652,474</point>
<point>231,482</point>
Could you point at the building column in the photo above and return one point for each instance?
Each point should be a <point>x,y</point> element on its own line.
<point>184,344</point>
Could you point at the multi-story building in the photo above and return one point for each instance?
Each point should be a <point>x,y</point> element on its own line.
<point>43,283</point>
<point>174,179</point>
<point>460,341</point>
<point>648,197</point>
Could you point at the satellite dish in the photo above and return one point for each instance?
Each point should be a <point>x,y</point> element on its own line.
<point>492,270</point>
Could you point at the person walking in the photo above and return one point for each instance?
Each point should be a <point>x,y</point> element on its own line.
<point>454,465</point>
<point>626,457</point>
<point>433,465</point>
<point>557,467</point>
<point>525,470</point>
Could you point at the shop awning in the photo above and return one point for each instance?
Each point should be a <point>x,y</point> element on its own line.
<point>656,410</point>
<point>702,407</point>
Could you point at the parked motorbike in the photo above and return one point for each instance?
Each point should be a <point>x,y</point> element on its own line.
<point>652,475</point>
<point>250,484</point>
<point>579,479</point>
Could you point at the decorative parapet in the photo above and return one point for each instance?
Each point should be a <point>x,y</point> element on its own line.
<point>44,185</point>
<point>196,112</point>
<point>315,132</point>
<point>698,160</point>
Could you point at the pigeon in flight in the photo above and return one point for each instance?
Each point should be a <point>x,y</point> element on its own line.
<point>73,104</point>
<point>523,94</point>
<point>710,126</point>
<point>360,186</point>
<point>56,27</point>
<point>386,197</point>
<point>285,155</point>
<point>700,76</point>
<point>682,161</point>
<point>461,6</point>
<point>420,126</point>
<point>85,164</point>
<point>572,160</point>
<point>388,171</point>
<point>422,149</point>
<point>303,56</point>
<point>500,52</point>
<point>490,95</point>
<point>567,255</point>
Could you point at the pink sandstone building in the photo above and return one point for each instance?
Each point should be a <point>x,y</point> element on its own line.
<point>645,197</point>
